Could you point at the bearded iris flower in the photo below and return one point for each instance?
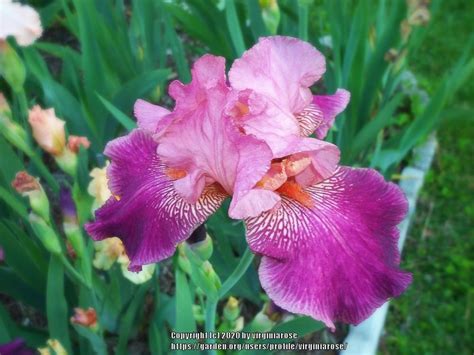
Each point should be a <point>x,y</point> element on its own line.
<point>327,233</point>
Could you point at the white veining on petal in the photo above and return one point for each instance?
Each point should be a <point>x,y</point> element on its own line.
<point>286,226</point>
<point>149,216</point>
<point>336,260</point>
<point>309,119</point>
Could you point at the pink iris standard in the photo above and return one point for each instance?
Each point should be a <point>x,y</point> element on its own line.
<point>327,233</point>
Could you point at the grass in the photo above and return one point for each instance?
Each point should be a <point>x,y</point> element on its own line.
<point>435,315</point>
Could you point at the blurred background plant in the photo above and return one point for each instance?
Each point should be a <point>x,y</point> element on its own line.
<point>65,96</point>
<point>435,315</point>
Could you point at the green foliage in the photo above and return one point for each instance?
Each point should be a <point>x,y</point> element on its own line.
<point>119,61</point>
<point>56,305</point>
<point>434,316</point>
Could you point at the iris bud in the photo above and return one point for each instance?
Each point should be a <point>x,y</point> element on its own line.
<point>70,222</point>
<point>232,321</point>
<point>48,130</point>
<point>75,142</point>
<point>29,186</point>
<point>198,313</point>
<point>156,94</point>
<point>270,14</point>
<point>232,309</point>
<point>67,161</point>
<point>200,243</point>
<point>74,236</point>
<point>13,132</point>
<point>193,258</point>
<point>203,249</point>
<point>183,261</point>
<point>85,317</point>
<point>211,275</point>
<point>12,67</point>
<point>45,233</point>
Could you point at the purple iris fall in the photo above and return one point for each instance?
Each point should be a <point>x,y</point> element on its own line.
<point>327,233</point>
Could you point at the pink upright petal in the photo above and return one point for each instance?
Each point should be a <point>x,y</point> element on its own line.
<point>276,74</point>
<point>282,69</point>
<point>254,114</point>
<point>204,143</point>
<point>208,73</point>
<point>48,130</point>
<point>145,212</point>
<point>337,260</point>
<point>331,106</point>
<point>149,115</point>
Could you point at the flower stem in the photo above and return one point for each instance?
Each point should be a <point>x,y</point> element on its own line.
<point>210,325</point>
<point>211,303</point>
<point>238,272</point>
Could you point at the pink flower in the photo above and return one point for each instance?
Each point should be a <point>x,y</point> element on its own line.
<point>327,233</point>
<point>48,130</point>
<point>19,21</point>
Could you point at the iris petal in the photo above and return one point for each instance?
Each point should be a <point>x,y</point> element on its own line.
<point>331,106</point>
<point>149,115</point>
<point>337,260</point>
<point>280,68</point>
<point>145,212</point>
<point>204,141</point>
